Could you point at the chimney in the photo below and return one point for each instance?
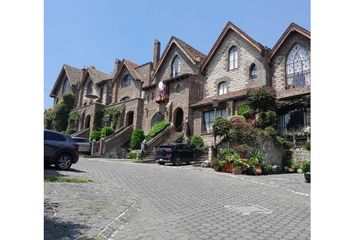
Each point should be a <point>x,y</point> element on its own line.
<point>117,64</point>
<point>156,54</point>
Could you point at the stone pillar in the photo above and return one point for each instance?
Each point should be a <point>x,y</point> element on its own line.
<point>210,154</point>
<point>101,150</point>
<point>93,143</point>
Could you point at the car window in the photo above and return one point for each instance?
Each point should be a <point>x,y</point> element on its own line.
<point>54,136</point>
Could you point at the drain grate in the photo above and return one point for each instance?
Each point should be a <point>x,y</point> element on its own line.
<point>247,210</point>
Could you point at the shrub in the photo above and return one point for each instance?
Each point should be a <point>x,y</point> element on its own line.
<point>307,145</point>
<point>106,131</point>
<point>156,129</point>
<point>61,112</point>
<point>243,134</point>
<point>255,159</point>
<point>261,100</point>
<point>95,135</point>
<point>245,110</point>
<point>243,150</point>
<point>215,164</point>
<point>136,138</point>
<point>221,127</point>
<point>48,118</point>
<point>132,155</point>
<point>70,131</point>
<point>306,166</point>
<point>197,142</point>
<point>236,120</point>
<point>266,119</point>
<point>97,123</point>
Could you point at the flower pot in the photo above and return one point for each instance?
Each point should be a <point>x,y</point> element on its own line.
<point>291,170</point>
<point>307,177</point>
<point>258,170</point>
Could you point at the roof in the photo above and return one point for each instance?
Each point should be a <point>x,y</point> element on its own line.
<point>293,27</point>
<point>73,74</point>
<point>231,27</point>
<point>195,56</point>
<point>98,76</point>
<point>221,98</point>
<point>293,92</point>
<point>131,66</point>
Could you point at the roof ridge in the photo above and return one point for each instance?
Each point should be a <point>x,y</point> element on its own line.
<point>188,46</point>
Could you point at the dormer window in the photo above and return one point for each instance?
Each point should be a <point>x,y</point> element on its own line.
<point>222,88</point>
<point>298,67</point>
<point>127,80</point>
<point>253,71</point>
<point>65,85</point>
<point>89,88</point>
<point>233,58</point>
<point>176,66</point>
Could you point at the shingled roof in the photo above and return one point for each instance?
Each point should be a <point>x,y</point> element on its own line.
<point>73,74</point>
<point>221,98</point>
<point>98,76</point>
<point>131,67</point>
<point>194,53</point>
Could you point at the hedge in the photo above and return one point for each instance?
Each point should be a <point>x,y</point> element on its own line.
<point>156,129</point>
<point>106,131</point>
<point>136,138</point>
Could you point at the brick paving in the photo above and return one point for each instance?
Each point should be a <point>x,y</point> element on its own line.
<point>188,203</point>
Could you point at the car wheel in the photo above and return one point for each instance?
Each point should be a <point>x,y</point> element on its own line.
<point>177,161</point>
<point>63,161</point>
<point>161,163</point>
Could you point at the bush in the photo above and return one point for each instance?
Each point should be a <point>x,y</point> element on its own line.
<point>197,142</point>
<point>236,119</point>
<point>48,118</point>
<point>245,110</point>
<point>243,150</point>
<point>261,100</point>
<point>307,145</point>
<point>243,134</point>
<point>136,138</point>
<point>106,131</point>
<point>215,164</point>
<point>255,159</point>
<point>132,155</point>
<point>221,127</point>
<point>156,129</point>
<point>70,131</point>
<point>306,166</point>
<point>95,135</point>
<point>266,119</point>
<point>61,112</point>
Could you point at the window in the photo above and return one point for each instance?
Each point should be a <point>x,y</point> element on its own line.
<point>253,71</point>
<point>176,66</point>
<point>233,58</point>
<point>127,80</point>
<point>152,96</point>
<point>124,99</point>
<point>208,119</point>
<point>222,88</point>
<point>53,136</point>
<point>294,120</point>
<point>89,88</point>
<point>147,97</point>
<point>298,67</point>
<point>178,88</point>
<point>65,86</point>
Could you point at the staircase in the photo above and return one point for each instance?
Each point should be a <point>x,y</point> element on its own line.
<point>198,162</point>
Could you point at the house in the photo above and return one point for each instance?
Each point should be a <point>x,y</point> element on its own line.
<point>183,83</point>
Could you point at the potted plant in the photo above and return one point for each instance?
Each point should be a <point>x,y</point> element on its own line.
<point>306,167</point>
<point>256,162</point>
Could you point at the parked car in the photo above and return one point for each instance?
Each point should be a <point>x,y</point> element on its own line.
<point>176,154</point>
<point>84,144</point>
<point>59,149</point>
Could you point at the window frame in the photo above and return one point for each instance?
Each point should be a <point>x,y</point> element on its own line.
<point>253,71</point>
<point>176,64</point>
<point>124,99</point>
<point>127,80</point>
<point>225,87</point>
<point>207,127</point>
<point>232,58</point>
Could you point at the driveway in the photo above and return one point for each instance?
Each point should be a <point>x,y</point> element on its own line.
<point>149,201</point>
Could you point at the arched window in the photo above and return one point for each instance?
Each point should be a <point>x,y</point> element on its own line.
<point>298,67</point>
<point>178,88</point>
<point>176,66</point>
<point>253,71</point>
<point>89,88</point>
<point>233,58</point>
<point>222,88</point>
<point>124,99</point>
<point>127,80</point>
<point>65,85</point>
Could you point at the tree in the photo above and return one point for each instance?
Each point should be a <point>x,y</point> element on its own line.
<point>48,118</point>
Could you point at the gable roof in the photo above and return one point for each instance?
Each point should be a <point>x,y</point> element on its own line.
<point>131,66</point>
<point>98,76</point>
<point>73,74</point>
<point>293,27</point>
<point>195,56</point>
<point>231,27</point>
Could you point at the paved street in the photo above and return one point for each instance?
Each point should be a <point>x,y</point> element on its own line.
<point>148,201</point>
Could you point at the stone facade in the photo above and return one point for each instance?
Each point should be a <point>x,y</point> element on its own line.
<point>190,93</point>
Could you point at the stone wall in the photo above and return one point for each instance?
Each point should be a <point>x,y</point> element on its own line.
<point>238,79</point>
<point>278,61</point>
<point>144,72</point>
<point>300,155</point>
<point>132,91</point>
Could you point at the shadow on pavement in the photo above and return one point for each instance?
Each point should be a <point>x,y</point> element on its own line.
<point>57,229</point>
<point>52,171</point>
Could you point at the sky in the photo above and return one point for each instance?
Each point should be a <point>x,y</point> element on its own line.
<point>85,33</point>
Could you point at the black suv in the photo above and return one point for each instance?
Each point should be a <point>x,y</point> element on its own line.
<point>59,149</point>
<point>175,153</point>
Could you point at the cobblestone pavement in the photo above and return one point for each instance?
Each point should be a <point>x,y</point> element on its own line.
<point>194,203</point>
